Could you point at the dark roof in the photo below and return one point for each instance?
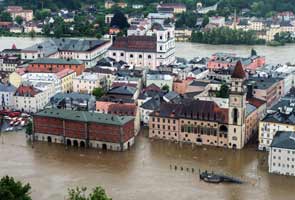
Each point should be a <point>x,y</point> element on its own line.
<point>152,104</point>
<point>122,90</point>
<point>279,117</point>
<point>99,70</point>
<point>135,43</point>
<point>284,140</point>
<point>238,71</point>
<point>197,109</point>
<point>199,83</point>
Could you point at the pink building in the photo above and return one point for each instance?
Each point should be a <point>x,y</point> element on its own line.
<point>227,60</point>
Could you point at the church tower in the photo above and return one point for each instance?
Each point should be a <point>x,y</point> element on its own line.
<point>237,108</point>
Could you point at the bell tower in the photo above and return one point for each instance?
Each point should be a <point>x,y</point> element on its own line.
<point>237,107</point>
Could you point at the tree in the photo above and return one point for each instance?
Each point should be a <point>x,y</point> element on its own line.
<point>5,17</point>
<point>205,21</point>
<point>253,52</point>
<point>97,193</point>
<point>29,129</point>
<point>19,20</point>
<point>223,92</point>
<point>98,92</point>
<point>12,190</point>
<point>119,20</point>
<point>166,88</point>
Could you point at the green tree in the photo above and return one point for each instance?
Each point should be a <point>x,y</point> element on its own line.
<point>5,17</point>
<point>119,20</point>
<point>14,190</point>
<point>223,92</point>
<point>253,52</point>
<point>29,129</point>
<point>166,88</point>
<point>19,20</point>
<point>97,193</point>
<point>205,21</point>
<point>98,92</point>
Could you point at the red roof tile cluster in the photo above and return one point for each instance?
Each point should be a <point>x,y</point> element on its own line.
<point>152,87</point>
<point>255,102</point>
<point>135,43</point>
<point>27,91</point>
<point>238,71</point>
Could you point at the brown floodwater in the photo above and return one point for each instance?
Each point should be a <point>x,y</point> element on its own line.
<point>141,173</point>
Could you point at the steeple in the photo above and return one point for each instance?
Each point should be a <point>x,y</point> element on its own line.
<point>239,71</point>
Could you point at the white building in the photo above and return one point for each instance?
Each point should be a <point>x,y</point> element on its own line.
<point>6,95</point>
<point>160,79</point>
<point>9,63</point>
<point>280,120</point>
<point>31,99</point>
<point>155,48</point>
<point>281,157</point>
<point>89,51</point>
<point>86,82</point>
<point>58,79</point>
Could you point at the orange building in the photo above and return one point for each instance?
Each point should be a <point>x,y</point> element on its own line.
<point>55,65</point>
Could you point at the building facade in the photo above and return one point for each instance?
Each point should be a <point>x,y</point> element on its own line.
<point>84,129</point>
<point>281,156</point>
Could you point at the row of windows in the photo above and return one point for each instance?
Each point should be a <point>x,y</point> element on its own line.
<point>131,55</point>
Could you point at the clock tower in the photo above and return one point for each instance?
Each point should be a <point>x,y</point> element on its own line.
<point>237,107</point>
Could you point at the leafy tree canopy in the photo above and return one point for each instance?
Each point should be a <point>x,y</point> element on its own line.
<point>97,193</point>
<point>14,190</point>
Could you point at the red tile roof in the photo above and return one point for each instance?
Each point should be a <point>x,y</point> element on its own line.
<point>27,91</point>
<point>238,71</point>
<point>255,102</point>
<point>135,43</point>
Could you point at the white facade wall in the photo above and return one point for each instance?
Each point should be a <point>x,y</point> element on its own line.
<point>281,161</point>
<point>267,132</point>
<point>6,100</point>
<point>50,78</point>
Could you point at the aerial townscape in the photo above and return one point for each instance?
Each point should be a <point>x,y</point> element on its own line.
<point>127,99</point>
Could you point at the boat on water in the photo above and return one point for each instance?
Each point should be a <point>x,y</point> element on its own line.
<point>211,177</point>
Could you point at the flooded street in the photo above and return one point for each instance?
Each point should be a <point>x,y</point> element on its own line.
<point>147,170</point>
<point>142,173</point>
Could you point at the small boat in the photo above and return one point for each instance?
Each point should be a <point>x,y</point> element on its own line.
<point>211,177</point>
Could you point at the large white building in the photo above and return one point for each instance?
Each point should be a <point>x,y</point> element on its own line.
<point>89,51</point>
<point>155,48</point>
<point>281,157</point>
<point>86,82</point>
<point>62,81</point>
<point>31,99</point>
<point>280,119</point>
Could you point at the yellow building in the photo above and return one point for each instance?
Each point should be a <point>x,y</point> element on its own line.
<point>15,78</point>
<point>66,76</point>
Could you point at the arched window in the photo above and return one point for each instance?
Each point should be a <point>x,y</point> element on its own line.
<point>131,55</point>
<point>235,115</point>
<point>140,56</point>
<point>149,56</point>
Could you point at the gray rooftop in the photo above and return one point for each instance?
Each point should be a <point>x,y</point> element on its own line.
<point>284,140</point>
<point>56,61</point>
<point>7,88</point>
<point>85,116</point>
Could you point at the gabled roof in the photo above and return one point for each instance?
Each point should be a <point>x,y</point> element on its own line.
<point>238,71</point>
